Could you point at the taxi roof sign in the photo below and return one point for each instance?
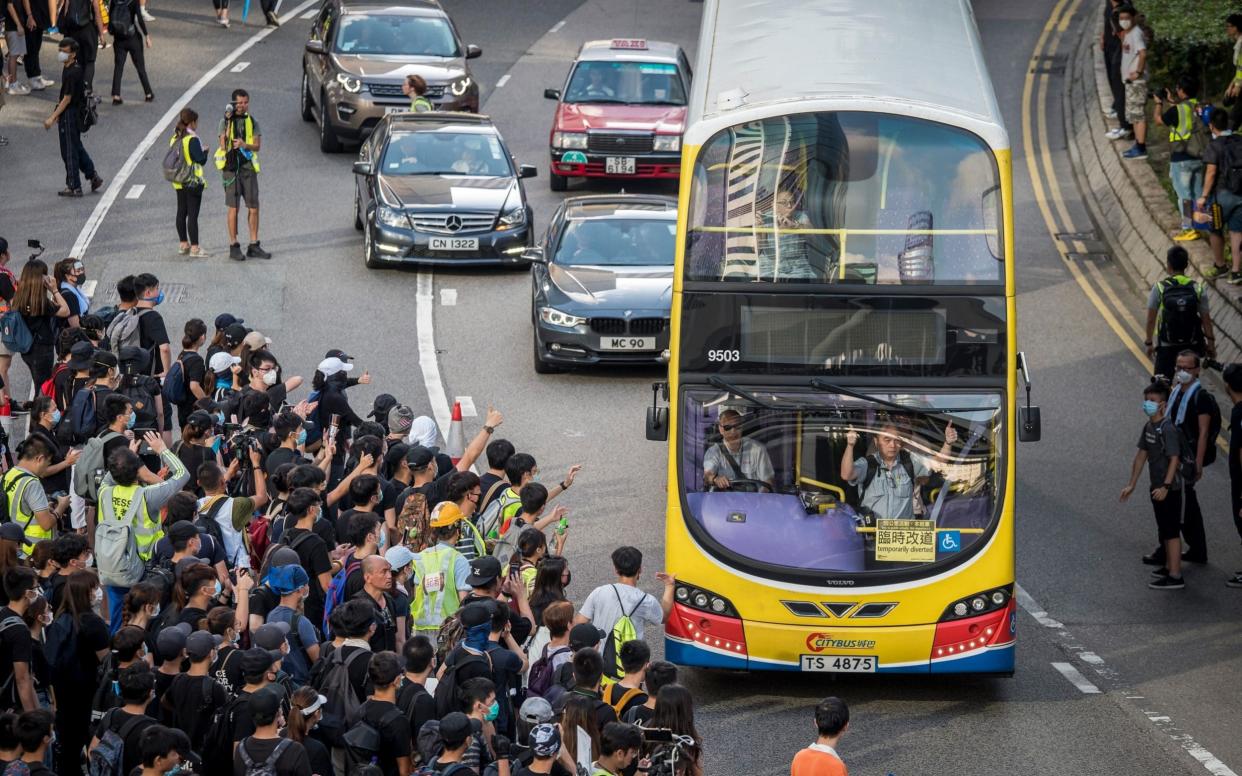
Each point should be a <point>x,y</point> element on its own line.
<point>635,44</point>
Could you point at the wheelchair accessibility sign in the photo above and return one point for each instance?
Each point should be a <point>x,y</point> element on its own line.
<point>950,541</point>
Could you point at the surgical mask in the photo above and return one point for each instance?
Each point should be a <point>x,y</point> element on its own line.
<point>62,56</point>
<point>301,437</point>
<point>98,595</point>
<point>46,618</point>
<point>493,711</point>
<point>158,299</point>
<point>156,613</point>
<point>220,418</point>
<point>219,589</point>
<point>133,418</point>
<point>55,417</point>
<point>1125,24</point>
<point>1182,376</point>
<point>90,558</point>
<point>176,769</point>
<point>383,540</point>
<point>1150,408</point>
<point>269,377</point>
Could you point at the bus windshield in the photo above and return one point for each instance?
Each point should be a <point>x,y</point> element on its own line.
<point>829,482</point>
<point>845,197</point>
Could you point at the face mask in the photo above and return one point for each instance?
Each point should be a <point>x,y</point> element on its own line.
<point>32,596</point>
<point>219,589</point>
<point>158,299</point>
<point>269,378</point>
<point>176,769</point>
<point>133,418</point>
<point>156,613</point>
<point>1150,408</point>
<point>55,417</point>
<point>301,437</point>
<point>1182,376</point>
<point>62,56</point>
<point>493,712</point>
<point>220,418</point>
<point>1125,24</point>
<point>46,618</point>
<point>98,595</point>
<point>90,558</point>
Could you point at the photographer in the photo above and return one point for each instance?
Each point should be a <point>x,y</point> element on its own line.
<point>238,159</point>
<point>1188,137</point>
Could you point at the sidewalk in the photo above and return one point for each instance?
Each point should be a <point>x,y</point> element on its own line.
<point>1127,201</point>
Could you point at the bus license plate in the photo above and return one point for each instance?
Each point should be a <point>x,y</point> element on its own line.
<point>454,243</point>
<point>843,664</point>
<point>619,165</point>
<point>627,343</point>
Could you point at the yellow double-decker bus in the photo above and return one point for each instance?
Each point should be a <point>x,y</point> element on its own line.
<point>843,383</point>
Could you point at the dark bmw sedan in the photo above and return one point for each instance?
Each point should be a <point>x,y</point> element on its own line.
<point>603,282</point>
<point>440,188</point>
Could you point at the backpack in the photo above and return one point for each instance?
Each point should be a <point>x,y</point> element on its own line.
<point>1214,424</point>
<point>160,573</point>
<point>88,114</point>
<point>120,20</point>
<point>48,388</point>
<point>116,549</point>
<point>1185,452</point>
<point>620,703</point>
<point>874,466</point>
<point>541,676</point>
<point>205,520</point>
<point>8,491</point>
<point>79,13</point>
<point>622,631</point>
<point>174,390</point>
<point>448,691</point>
<point>60,643</point>
<point>146,417</point>
<point>362,741</point>
<point>343,701</point>
<point>107,691</point>
<point>1179,311</point>
<point>1230,164</point>
<point>8,698</point>
<point>90,469</point>
<point>217,751</point>
<point>107,758</point>
<point>83,422</point>
<point>123,332</point>
<point>448,637</point>
<point>268,766</point>
<point>335,594</point>
<point>15,333</point>
<point>259,534</point>
<point>488,521</point>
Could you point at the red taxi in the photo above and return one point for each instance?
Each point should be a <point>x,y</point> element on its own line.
<point>621,112</point>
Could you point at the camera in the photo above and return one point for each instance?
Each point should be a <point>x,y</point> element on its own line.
<point>1212,363</point>
<point>229,110</point>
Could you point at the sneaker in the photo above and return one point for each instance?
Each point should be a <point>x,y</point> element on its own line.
<point>69,193</point>
<point>235,252</point>
<point>1167,583</point>
<point>1216,271</point>
<point>1160,572</point>
<point>18,89</point>
<point>199,253</point>
<point>223,22</point>
<point>1135,153</point>
<point>1234,278</point>
<point>183,250</point>
<point>1235,580</point>
<point>146,16</point>
<point>1155,558</point>
<point>36,84</point>
<point>1110,113</point>
<point>96,184</point>
<point>1187,235</point>
<point>272,20</point>
<point>1115,134</point>
<point>253,251</point>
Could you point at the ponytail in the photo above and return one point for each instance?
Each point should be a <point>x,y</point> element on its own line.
<point>188,116</point>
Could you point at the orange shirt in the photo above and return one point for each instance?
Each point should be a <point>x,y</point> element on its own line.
<point>817,760</point>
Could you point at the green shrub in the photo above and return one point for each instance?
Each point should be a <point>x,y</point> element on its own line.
<point>1190,38</point>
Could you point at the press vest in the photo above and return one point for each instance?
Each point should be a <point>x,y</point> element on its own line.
<point>222,153</point>
<point>114,501</point>
<point>195,166</point>
<point>430,609</point>
<point>421,105</point>
<point>34,532</point>
<point>1185,121</point>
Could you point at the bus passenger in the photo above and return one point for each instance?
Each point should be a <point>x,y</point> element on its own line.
<point>785,256</point>
<point>735,458</point>
<point>886,481</point>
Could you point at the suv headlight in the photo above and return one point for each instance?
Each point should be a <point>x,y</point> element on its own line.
<point>512,219</point>
<point>554,317</point>
<point>667,143</point>
<point>349,83</point>
<point>569,140</point>
<point>460,86</point>
<point>392,217</point>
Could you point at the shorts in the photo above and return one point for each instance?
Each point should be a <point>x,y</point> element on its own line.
<point>244,185</point>
<point>1169,515</point>
<point>1230,209</point>
<point>16,42</point>
<point>1136,101</point>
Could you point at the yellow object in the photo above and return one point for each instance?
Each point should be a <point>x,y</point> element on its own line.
<point>35,533</point>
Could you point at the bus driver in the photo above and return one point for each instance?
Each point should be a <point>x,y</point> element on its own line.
<point>886,482</point>
<point>735,458</point>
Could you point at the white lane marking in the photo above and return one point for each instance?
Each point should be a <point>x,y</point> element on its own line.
<point>311,14</point>
<point>448,296</point>
<point>105,203</point>
<point>1076,678</point>
<point>504,79</point>
<point>135,191</point>
<point>557,27</point>
<point>467,406</point>
<point>240,66</point>
<point>424,320</point>
<point>1162,722</point>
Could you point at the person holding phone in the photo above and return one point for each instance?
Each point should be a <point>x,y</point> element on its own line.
<point>40,303</point>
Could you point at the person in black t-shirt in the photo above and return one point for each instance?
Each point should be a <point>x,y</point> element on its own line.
<point>381,712</point>
<point>265,708</point>
<point>193,370</point>
<point>377,578</point>
<point>130,720</point>
<point>34,732</point>
<point>303,507</point>
<point>194,695</point>
<point>413,699</point>
<point>67,116</point>
<point>195,446</point>
<point>16,645</point>
<point>152,333</point>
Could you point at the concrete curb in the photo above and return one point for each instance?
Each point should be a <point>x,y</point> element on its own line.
<point>1127,202</point>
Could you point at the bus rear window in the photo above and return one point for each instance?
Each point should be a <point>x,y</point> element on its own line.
<point>845,197</point>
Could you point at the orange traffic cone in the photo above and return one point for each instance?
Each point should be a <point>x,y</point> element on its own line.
<point>456,435</point>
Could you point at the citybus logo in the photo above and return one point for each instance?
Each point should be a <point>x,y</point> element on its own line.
<point>818,642</point>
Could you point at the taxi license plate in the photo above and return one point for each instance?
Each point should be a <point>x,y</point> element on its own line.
<point>619,165</point>
<point>627,343</point>
<point>843,664</point>
<point>454,244</point>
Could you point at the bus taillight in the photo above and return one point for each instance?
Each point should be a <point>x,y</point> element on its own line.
<point>714,631</point>
<point>959,637</point>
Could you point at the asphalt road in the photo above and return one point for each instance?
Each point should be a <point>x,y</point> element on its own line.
<point>1166,664</point>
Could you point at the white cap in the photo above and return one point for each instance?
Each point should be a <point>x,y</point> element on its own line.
<point>315,706</point>
<point>423,432</point>
<point>330,366</point>
<point>222,362</point>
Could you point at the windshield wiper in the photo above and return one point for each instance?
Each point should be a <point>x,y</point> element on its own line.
<point>823,385</point>
<point>725,385</point>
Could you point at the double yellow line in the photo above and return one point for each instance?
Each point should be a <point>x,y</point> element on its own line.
<point>1047,189</point>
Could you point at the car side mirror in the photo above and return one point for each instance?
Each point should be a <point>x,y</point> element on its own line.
<point>552,94</point>
<point>315,46</point>
<point>535,255</point>
<point>473,52</point>
<point>657,424</point>
<point>363,168</point>
<point>527,170</point>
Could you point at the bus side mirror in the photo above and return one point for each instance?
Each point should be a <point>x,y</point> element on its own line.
<point>1028,424</point>
<point>657,424</point>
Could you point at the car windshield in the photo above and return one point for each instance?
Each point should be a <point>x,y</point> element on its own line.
<point>620,242</point>
<point>826,482</point>
<point>644,83</point>
<point>396,35</point>
<point>445,153</point>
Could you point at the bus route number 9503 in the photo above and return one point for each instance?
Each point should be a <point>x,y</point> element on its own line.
<point>724,356</point>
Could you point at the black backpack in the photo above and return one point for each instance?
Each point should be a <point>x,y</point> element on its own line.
<point>120,20</point>
<point>1230,164</point>
<point>362,741</point>
<point>448,691</point>
<point>146,418</point>
<point>1179,312</point>
<point>79,13</point>
<point>206,521</point>
<point>1191,427</point>
<point>218,743</point>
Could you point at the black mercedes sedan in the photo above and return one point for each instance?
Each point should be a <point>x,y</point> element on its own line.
<point>603,282</point>
<point>440,188</point>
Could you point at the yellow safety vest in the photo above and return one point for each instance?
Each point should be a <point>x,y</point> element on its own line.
<point>185,151</point>
<point>15,485</point>
<point>1237,62</point>
<point>114,503</point>
<point>222,153</point>
<point>1185,121</point>
<point>421,105</point>
<point>430,608</point>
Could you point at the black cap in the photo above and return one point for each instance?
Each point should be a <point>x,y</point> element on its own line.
<point>455,728</point>
<point>103,358</point>
<point>335,353</point>
<point>13,532</point>
<point>256,660</point>
<point>225,320</point>
<point>476,613</point>
<point>264,705</point>
<point>80,355</point>
<point>233,335</point>
<point>182,530</point>
<point>136,360</point>
<point>200,419</point>
<point>383,403</point>
<point>419,457</point>
<point>483,570</point>
<point>584,635</point>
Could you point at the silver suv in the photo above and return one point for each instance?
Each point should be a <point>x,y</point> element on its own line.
<point>358,57</point>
